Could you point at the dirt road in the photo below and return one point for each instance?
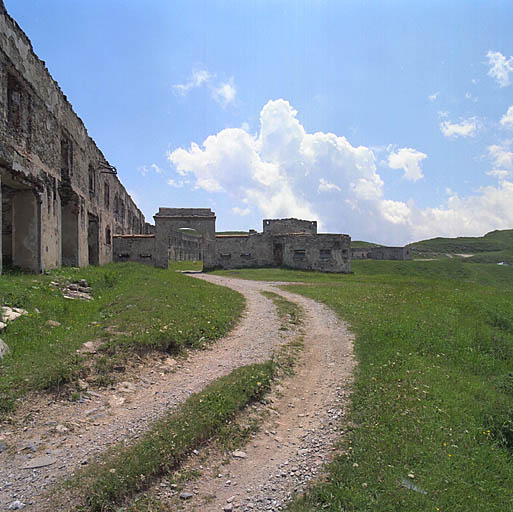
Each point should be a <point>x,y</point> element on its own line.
<point>58,436</point>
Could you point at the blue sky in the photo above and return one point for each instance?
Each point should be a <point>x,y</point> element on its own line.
<point>389,121</point>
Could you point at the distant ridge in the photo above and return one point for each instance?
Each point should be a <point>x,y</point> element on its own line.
<point>494,247</point>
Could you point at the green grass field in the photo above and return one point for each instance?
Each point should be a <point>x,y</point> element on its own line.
<point>432,414</point>
<point>493,247</point>
<point>135,308</point>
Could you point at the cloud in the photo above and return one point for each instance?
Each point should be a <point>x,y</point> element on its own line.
<point>507,118</point>
<point>241,211</point>
<point>177,184</point>
<point>145,169</point>
<point>434,96</point>
<point>280,170</point>
<point>409,160</point>
<point>501,157</point>
<point>198,78</point>
<point>326,186</point>
<point>224,93</point>
<point>500,68</point>
<point>465,128</point>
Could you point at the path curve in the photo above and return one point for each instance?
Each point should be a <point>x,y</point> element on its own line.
<point>103,421</point>
<point>298,437</point>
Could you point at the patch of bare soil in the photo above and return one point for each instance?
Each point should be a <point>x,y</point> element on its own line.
<point>49,438</point>
<point>295,440</point>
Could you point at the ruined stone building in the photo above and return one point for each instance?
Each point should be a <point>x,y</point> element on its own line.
<point>61,200</point>
<point>291,243</point>
<point>382,252</point>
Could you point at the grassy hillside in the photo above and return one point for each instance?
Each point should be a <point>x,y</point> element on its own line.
<point>360,244</point>
<point>431,425</point>
<point>495,241</point>
<point>135,308</point>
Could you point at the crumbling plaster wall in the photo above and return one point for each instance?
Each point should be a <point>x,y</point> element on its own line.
<point>44,146</point>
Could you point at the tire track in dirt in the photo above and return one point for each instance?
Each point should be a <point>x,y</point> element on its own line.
<point>303,414</point>
<point>298,437</point>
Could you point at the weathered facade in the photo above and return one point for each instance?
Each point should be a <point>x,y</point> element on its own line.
<point>61,200</point>
<point>291,243</point>
<point>169,240</point>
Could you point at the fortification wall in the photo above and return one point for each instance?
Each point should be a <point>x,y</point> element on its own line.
<point>286,226</point>
<point>137,248</point>
<point>168,221</point>
<point>390,253</point>
<point>52,168</point>
<point>243,251</point>
<point>324,252</point>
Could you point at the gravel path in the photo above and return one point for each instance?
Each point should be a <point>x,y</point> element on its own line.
<point>297,439</point>
<point>59,436</point>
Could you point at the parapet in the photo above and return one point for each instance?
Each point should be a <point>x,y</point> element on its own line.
<point>289,226</point>
<point>185,212</point>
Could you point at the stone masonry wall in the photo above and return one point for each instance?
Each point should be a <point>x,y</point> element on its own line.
<point>243,251</point>
<point>324,252</point>
<point>45,149</point>
<point>285,226</point>
<point>138,248</point>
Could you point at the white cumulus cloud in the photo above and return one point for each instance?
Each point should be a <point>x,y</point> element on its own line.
<point>408,160</point>
<point>434,96</point>
<point>280,170</point>
<point>224,93</point>
<point>507,118</point>
<point>500,68</point>
<point>241,211</point>
<point>465,128</point>
<point>501,156</point>
<point>326,186</point>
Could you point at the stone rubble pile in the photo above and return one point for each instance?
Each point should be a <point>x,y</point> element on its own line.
<point>8,314</point>
<point>78,290</point>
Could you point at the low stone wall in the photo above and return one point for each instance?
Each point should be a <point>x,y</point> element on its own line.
<point>243,251</point>
<point>138,248</point>
<point>390,253</point>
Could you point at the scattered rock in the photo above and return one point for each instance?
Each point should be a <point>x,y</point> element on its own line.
<point>116,401</point>
<point>239,454</point>
<point>228,507</point>
<point>53,323</point>
<point>3,325</point>
<point>16,505</point>
<point>82,384</point>
<point>186,495</point>
<point>89,347</point>
<point>126,387</point>
<point>40,462</point>
<point>4,348</point>
<point>3,447</point>
<point>61,429</point>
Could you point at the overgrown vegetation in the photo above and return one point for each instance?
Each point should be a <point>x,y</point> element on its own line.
<point>125,471</point>
<point>432,416</point>
<point>135,308</point>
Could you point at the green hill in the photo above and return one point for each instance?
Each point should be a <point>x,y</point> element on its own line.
<point>493,247</point>
<point>360,244</point>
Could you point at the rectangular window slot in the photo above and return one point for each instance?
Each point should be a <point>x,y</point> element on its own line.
<point>325,254</point>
